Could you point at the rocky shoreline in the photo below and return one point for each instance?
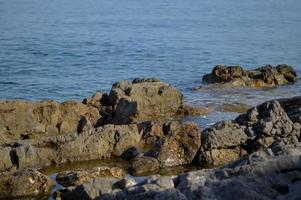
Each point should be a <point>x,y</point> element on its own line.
<point>141,122</point>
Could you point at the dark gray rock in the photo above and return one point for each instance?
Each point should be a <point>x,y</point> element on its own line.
<point>130,153</point>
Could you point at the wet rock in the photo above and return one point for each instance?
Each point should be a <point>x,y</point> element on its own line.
<point>24,183</point>
<point>144,165</point>
<point>21,119</point>
<point>144,100</point>
<point>179,148</point>
<point>104,142</point>
<point>79,177</point>
<point>193,110</point>
<point>130,153</point>
<point>266,76</point>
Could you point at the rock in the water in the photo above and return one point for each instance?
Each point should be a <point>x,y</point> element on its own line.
<point>144,165</point>
<point>79,177</point>
<point>144,100</point>
<point>266,76</point>
<point>21,119</point>
<point>24,183</point>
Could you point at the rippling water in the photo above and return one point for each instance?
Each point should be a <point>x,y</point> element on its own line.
<point>70,49</point>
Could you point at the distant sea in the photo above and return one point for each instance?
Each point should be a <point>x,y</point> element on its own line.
<point>69,49</point>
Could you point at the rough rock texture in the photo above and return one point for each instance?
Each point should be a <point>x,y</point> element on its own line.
<point>258,129</point>
<point>179,147</point>
<point>292,107</point>
<point>144,165</point>
<point>143,100</point>
<point>266,76</point>
<point>21,119</point>
<point>76,178</point>
<point>104,142</point>
<point>91,190</point>
<point>270,174</point>
<point>6,162</point>
<point>24,183</point>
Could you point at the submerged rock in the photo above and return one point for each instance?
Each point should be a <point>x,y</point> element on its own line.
<point>266,76</point>
<point>24,183</point>
<point>79,177</point>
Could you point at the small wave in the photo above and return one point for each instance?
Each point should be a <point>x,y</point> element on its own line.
<point>8,83</point>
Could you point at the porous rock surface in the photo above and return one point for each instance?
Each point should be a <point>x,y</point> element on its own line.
<point>79,177</point>
<point>24,183</point>
<point>104,142</point>
<point>20,119</point>
<point>255,130</point>
<point>178,147</point>
<point>144,100</point>
<point>270,174</point>
<point>266,76</point>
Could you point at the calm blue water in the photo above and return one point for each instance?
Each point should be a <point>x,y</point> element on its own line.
<point>68,49</point>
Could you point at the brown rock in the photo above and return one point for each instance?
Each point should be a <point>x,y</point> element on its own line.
<point>76,178</point>
<point>179,148</point>
<point>144,100</point>
<point>24,183</point>
<point>104,142</point>
<point>266,76</point>
<point>144,165</point>
<point>24,119</point>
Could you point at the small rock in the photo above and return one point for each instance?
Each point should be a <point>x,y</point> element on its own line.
<point>144,165</point>
<point>130,153</point>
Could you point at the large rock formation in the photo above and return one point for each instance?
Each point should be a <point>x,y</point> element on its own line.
<point>144,100</point>
<point>270,174</point>
<point>258,129</point>
<point>266,76</point>
<point>178,147</point>
<point>104,142</point>
<point>24,183</point>
<point>21,119</point>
